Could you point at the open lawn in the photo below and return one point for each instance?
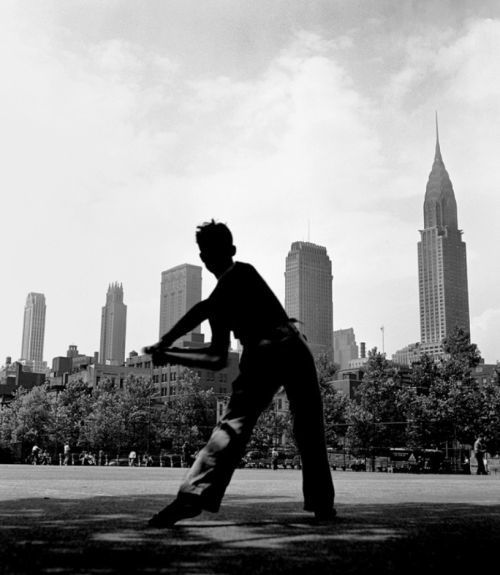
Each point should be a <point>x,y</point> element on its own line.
<point>93,520</point>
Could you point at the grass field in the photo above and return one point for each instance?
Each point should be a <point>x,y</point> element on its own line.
<point>93,520</point>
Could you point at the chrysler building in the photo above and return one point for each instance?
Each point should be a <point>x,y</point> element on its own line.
<point>442,263</point>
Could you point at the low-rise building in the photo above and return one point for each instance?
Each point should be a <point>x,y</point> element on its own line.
<point>485,373</point>
<point>165,378</point>
<point>13,376</point>
<point>408,355</point>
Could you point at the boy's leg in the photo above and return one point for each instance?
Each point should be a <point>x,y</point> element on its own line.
<point>306,407</point>
<point>206,481</point>
<point>211,473</point>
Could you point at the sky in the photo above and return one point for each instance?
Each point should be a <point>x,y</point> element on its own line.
<point>125,124</point>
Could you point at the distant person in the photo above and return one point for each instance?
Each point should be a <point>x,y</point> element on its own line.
<point>187,455</point>
<point>466,466</point>
<point>67,453</point>
<point>132,456</point>
<point>275,354</point>
<point>147,460</point>
<point>274,459</point>
<point>35,454</point>
<point>480,452</point>
<point>84,458</point>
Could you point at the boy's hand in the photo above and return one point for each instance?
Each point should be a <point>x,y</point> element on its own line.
<point>157,353</point>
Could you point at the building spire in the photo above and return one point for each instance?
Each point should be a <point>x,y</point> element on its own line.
<point>437,156</point>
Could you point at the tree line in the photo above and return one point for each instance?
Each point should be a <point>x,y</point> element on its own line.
<point>108,418</point>
<point>436,403</point>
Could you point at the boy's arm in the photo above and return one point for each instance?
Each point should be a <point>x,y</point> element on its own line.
<point>196,315</point>
<point>213,356</point>
<point>205,357</point>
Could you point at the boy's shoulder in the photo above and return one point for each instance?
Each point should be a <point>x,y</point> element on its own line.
<point>240,269</point>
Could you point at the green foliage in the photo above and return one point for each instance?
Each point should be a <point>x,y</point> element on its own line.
<point>190,414</point>
<point>379,420</point>
<point>139,418</point>
<point>424,373</point>
<point>496,373</point>
<point>104,426</point>
<point>442,402</point>
<point>325,369</point>
<point>108,418</point>
<point>336,405</point>
<point>31,416</point>
<point>269,428</point>
<point>72,407</point>
<point>273,424</point>
<point>451,405</point>
<point>459,347</point>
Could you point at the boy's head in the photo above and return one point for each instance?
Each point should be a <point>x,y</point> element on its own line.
<point>216,245</point>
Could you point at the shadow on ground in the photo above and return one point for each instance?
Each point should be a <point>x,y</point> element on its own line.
<point>248,536</point>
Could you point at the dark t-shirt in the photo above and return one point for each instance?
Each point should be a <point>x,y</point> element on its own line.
<point>243,303</point>
<point>479,447</point>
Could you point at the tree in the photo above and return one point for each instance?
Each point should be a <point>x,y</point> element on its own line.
<point>72,407</point>
<point>190,413</point>
<point>496,373</point>
<point>140,421</point>
<point>31,417</point>
<point>269,428</point>
<point>450,404</point>
<point>488,420</point>
<point>379,421</point>
<point>336,405</point>
<point>424,373</point>
<point>457,344</point>
<point>103,428</point>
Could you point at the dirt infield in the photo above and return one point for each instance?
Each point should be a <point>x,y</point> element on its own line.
<point>93,520</point>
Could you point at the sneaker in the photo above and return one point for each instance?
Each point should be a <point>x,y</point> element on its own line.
<point>174,512</point>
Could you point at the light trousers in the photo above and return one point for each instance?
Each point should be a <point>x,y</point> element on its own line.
<point>285,361</point>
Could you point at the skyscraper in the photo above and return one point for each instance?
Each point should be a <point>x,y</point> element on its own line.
<point>180,291</point>
<point>113,327</point>
<point>442,263</point>
<point>308,293</point>
<point>34,331</point>
<point>345,347</point>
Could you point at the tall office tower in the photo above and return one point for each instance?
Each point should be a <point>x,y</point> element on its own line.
<point>308,293</point>
<point>180,291</point>
<point>344,347</point>
<point>34,332</point>
<point>442,264</point>
<point>113,327</point>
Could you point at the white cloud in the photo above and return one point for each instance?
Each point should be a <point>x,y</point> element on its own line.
<point>113,156</point>
<point>121,167</point>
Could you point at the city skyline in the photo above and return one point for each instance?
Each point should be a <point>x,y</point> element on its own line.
<point>127,125</point>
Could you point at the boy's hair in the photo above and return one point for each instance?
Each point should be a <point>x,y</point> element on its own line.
<point>214,236</point>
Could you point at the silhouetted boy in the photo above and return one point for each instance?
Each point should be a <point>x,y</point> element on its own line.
<point>275,354</point>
